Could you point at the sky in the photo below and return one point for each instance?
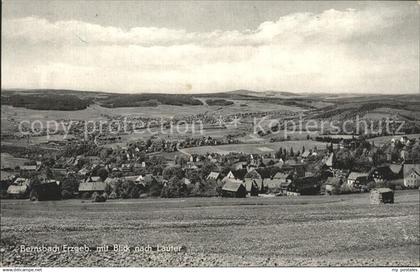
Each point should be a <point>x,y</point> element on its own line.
<point>211,46</point>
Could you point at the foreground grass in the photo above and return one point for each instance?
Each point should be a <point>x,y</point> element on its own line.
<point>308,230</point>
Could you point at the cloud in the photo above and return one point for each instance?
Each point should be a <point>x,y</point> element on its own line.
<point>348,50</point>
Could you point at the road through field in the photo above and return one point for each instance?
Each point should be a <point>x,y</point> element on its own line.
<point>342,230</point>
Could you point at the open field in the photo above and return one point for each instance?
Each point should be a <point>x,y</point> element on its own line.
<point>340,230</point>
<point>11,116</point>
<point>260,148</point>
<point>9,161</point>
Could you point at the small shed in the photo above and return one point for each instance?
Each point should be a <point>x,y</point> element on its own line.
<point>233,189</point>
<point>381,195</point>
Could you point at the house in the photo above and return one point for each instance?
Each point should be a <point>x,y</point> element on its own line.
<point>330,160</point>
<point>341,173</point>
<point>59,171</point>
<point>283,179</point>
<point>87,188</point>
<point>397,170</point>
<point>279,164</point>
<point>19,188</point>
<point>239,165</point>
<point>272,185</point>
<point>229,176</point>
<point>83,172</point>
<point>358,178</point>
<point>213,176</point>
<point>283,176</point>
<point>126,167</point>
<point>254,186</point>
<point>234,189</point>
<point>186,181</point>
<point>404,155</point>
<point>309,185</point>
<point>236,174</point>
<point>306,154</point>
<point>412,175</point>
<point>267,162</point>
<point>297,168</point>
<point>381,195</point>
<point>46,190</point>
<point>29,167</point>
<point>253,174</point>
<point>381,173</point>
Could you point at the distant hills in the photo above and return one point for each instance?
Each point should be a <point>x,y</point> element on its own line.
<point>323,105</point>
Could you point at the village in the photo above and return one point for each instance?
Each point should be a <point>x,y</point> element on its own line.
<point>82,169</point>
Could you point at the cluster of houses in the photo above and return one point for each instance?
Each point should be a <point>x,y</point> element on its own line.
<point>238,175</point>
<point>292,179</point>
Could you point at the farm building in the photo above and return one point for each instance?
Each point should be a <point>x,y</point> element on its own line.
<point>306,154</point>
<point>88,188</point>
<point>253,174</point>
<point>19,188</point>
<point>297,168</point>
<point>358,178</point>
<point>253,186</point>
<point>381,173</point>
<point>46,190</point>
<point>397,170</point>
<point>233,189</point>
<point>381,195</point>
<point>5,181</point>
<point>305,185</point>
<point>239,165</point>
<point>112,183</point>
<point>272,185</point>
<point>412,175</point>
<point>29,168</point>
<point>236,174</point>
<point>283,176</point>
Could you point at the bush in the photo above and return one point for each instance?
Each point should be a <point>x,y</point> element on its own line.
<point>85,195</point>
<point>219,102</point>
<point>347,189</point>
<point>94,195</point>
<point>205,189</point>
<point>155,189</point>
<point>71,185</point>
<point>174,188</point>
<point>65,194</point>
<point>112,195</point>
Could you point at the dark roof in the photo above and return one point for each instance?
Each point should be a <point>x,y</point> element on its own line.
<point>239,174</point>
